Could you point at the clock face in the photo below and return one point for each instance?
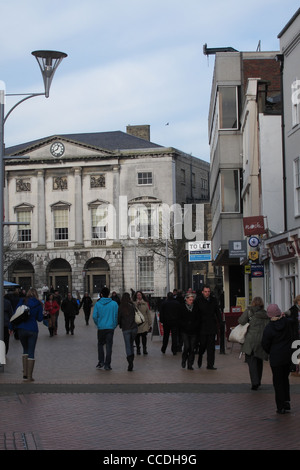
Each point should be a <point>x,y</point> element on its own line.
<point>57,149</point>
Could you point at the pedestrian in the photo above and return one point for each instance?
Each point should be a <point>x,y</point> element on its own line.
<point>105,316</point>
<point>70,309</point>
<point>294,314</point>
<point>51,308</point>
<point>86,303</point>
<point>169,317</point>
<point>45,291</point>
<point>8,312</point>
<point>28,332</point>
<point>57,297</point>
<point>143,329</point>
<point>210,320</point>
<point>115,297</point>
<point>277,342</point>
<point>258,319</point>
<point>189,324</point>
<point>126,321</point>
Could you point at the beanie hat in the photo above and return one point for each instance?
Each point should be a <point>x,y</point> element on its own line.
<point>273,311</point>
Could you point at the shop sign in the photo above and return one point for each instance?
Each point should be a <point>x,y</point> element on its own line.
<point>254,225</point>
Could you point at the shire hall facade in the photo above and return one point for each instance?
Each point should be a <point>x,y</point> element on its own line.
<point>84,210</point>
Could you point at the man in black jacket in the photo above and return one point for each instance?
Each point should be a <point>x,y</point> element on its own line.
<point>210,319</point>
<point>169,317</point>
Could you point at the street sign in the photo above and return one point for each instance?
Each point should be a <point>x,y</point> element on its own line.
<point>200,251</point>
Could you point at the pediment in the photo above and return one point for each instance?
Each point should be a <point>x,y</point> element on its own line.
<point>56,148</point>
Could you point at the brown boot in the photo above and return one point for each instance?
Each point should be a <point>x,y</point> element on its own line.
<point>30,366</point>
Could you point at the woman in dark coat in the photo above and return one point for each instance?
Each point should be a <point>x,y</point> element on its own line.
<point>189,324</point>
<point>277,342</point>
<point>126,321</point>
<point>258,319</point>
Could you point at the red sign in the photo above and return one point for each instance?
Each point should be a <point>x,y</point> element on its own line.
<point>254,225</point>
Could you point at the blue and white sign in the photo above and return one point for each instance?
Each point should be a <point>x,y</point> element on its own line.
<point>200,251</point>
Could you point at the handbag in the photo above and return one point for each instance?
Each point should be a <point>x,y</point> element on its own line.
<point>139,317</point>
<point>21,314</point>
<point>238,333</point>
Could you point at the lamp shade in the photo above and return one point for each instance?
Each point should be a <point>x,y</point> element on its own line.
<point>48,62</point>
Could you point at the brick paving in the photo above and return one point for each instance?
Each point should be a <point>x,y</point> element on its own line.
<point>159,406</point>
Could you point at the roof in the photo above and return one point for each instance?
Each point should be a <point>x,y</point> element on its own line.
<point>114,140</point>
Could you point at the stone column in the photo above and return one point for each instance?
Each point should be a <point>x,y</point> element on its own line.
<point>78,207</point>
<point>41,209</point>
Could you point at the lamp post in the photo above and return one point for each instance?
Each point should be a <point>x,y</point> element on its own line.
<point>48,62</point>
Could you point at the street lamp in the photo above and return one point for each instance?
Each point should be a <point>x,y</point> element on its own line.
<point>48,62</point>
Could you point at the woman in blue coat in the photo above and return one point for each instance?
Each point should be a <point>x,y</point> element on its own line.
<point>28,331</point>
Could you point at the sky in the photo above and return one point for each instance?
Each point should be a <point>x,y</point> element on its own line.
<point>130,62</point>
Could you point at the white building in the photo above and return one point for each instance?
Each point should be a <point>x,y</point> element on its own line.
<point>89,209</point>
<point>285,246</point>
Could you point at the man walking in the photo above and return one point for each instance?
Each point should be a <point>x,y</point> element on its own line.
<point>105,316</point>
<point>169,317</point>
<point>70,308</point>
<point>210,319</point>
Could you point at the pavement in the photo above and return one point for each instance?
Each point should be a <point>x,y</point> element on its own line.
<point>158,407</point>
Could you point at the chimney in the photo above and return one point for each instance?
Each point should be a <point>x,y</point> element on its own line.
<point>143,132</point>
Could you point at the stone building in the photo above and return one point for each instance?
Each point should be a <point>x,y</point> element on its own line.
<point>88,210</point>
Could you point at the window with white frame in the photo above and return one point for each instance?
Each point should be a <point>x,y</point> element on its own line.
<point>297,185</point>
<point>141,221</point>
<point>230,191</point>
<point>99,222</point>
<point>228,107</point>
<point>24,226</point>
<point>295,102</point>
<point>145,178</point>
<point>61,224</point>
<point>146,273</point>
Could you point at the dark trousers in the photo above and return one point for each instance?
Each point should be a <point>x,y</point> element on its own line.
<point>69,322</point>
<point>189,346</point>
<point>207,343</point>
<point>281,384</point>
<point>167,330</point>
<point>105,337</point>
<point>255,365</point>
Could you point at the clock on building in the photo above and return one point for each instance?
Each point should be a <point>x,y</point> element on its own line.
<point>57,149</point>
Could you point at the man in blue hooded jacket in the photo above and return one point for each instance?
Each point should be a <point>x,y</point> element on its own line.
<point>105,316</point>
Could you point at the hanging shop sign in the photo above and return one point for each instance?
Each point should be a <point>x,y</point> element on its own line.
<point>254,225</point>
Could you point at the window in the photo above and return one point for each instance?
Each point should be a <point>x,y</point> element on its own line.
<point>99,222</point>
<point>230,191</point>
<point>297,185</point>
<point>24,231</point>
<point>146,273</point>
<point>61,224</point>
<point>228,107</point>
<point>295,102</point>
<point>145,177</point>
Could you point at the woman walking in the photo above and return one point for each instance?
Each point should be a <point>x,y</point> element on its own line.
<point>144,328</point>
<point>258,319</point>
<point>126,321</point>
<point>28,332</point>
<point>51,310</point>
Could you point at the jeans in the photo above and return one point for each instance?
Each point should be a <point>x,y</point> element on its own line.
<point>28,340</point>
<point>189,346</point>
<point>105,337</point>
<point>129,336</point>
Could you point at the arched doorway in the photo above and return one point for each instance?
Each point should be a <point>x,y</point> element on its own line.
<point>60,276</point>
<point>23,274</point>
<point>96,272</point>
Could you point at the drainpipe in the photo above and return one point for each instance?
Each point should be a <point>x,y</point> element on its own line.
<point>280,58</point>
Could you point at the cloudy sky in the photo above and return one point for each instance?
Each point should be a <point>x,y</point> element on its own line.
<point>129,62</point>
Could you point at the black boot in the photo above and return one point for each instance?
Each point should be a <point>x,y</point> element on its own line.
<point>130,362</point>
